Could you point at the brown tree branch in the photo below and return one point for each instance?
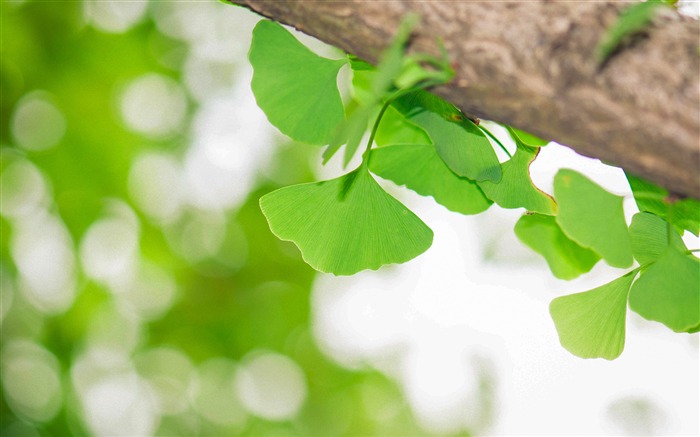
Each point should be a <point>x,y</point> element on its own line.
<point>531,65</point>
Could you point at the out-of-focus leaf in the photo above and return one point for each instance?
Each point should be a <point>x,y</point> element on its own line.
<point>346,225</point>
<point>350,132</point>
<point>391,62</point>
<point>650,236</point>
<point>592,324</point>
<point>371,87</point>
<point>683,214</point>
<point>566,259</point>
<point>668,291</point>
<point>592,217</point>
<point>515,189</point>
<point>295,88</point>
<point>635,18</point>
<point>420,168</point>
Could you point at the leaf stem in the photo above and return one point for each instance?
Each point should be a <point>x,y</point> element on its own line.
<point>376,125</point>
<point>493,137</point>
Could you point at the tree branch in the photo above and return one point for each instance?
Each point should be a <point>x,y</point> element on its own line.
<point>531,65</point>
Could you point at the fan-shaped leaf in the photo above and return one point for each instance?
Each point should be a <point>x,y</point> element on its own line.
<point>683,214</point>
<point>592,324</point>
<point>669,291</point>
<point>347,224</point>
<point>420,168</point>
<point>516,190</point>
<point>650,236</point>
<point>295,88</point>
<point>592,217</point>
<point>459,142</point>
<point>395,129</point>
<point>565,258</point>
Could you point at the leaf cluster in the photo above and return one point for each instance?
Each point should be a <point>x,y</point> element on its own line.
<point>417,140</point>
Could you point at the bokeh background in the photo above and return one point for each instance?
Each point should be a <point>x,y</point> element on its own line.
<point>143,293</point>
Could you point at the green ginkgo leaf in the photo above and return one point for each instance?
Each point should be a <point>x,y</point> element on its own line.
<point>592,217</point>
<point>346,225</point>
<point>592,324</point>
<point>668,291</point>
<point>371,86</point>
<point>566,259</point>
<point>295,88</point>
<point>650,236</point>
<point>683,214</point>
<point>516,190</point>
<point>395,129</point>
<point>420,168</point>
<point>459,142</point>
<point>349,132</point>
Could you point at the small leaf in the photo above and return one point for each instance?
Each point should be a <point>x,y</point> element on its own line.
<point>391,62</point>
<point>350,133</point>
<point>516,190</point>
<point>592,324</point>
<point>633,19</point>
<point>459,142</point>
<point>420,168</point>
<point>592,217</point>
<point>346,225</point>
<point>295,87</point>
<point>371,87</point>
<point>566,259</point>
<point>526,138</point>
<point>669,291</point>
<point>650,235</point>
<point>683,214</point>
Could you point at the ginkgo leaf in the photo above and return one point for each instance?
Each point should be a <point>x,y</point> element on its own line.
<point>592,324</point>
<point>459,142</point>
<point>592,217</point>
<point>526,138</point>
<point>566,259</point>
<point>295,88</point>
<point>395,129</point>
<point>349,133</point>
<point>635,18</point>
<point>650,237</point>
<point>516,190</point>
<point>391,62</point>
<point>668,291</point>
<point>346,225</point>
<point>371,87</point>
<point>420,168</point>
<point>684,214</point>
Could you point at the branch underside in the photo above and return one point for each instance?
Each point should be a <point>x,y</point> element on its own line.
<point>531,65</point>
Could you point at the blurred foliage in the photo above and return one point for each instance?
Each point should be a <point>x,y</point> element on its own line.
<point>249,296</point>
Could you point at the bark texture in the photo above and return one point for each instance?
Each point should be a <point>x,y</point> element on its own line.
<point>531,65</point>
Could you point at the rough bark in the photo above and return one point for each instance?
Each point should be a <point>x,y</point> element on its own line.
<point>531,65</point>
